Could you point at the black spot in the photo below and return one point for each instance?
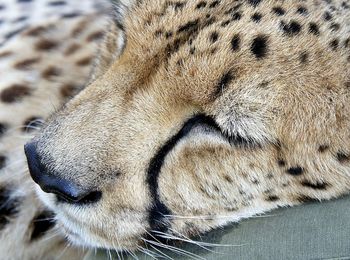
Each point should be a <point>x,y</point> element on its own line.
<point>235,42</point>
<point>70,15</point>
<point>313,28</point>
<point>201,4</point>
<point>302,10</point>
<point>269,175</point>
<point>295,171</point>
<point>41,224</point>
<point>26,63</point>
<point>14,93</point>
<point>176,45</point>
<point>263,84</point>
<point>291,29</point>
<point>179,5</point>
<point>57,3</point>
<point>327,16</point>
<point>347,43</point>
<point>272,198</point>
<point>2,162</point>
<point>228,179</point>
<point>281,163</point>
<point>223,83</point>
<point>158,33</point>
<point>209,21</point>
<point>345,5</point>
<point>31,124</point>
<point>216,188</point>
<point>50,72</point>
<point>168,34</point>
<point>255,181</point>
<point>20,19</point>
<point>8,207</point>
<point>256,17</point>
<point>259,46</point>
<point>304,56</point>
<point>214,4</point>
<point>213,37</point>
<point>316,186</point>
<point>189,27</point>
<point>225,23</point>
<point>254,3</point>
<point>305,198</point>
<point>236,16</point>
<point>334,44</point>
<point>323,148</point>
<point>343,157</point>
<point>334,27</point>
<point>11,34</point>
<point>278,10</point>
<point>3,128</point>
<point>45,45</point>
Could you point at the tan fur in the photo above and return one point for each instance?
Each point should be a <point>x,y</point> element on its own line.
<point>292,106</point>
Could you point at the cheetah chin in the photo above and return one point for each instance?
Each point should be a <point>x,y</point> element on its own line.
<point>199,113</point>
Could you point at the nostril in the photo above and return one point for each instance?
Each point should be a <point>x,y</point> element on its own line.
<point>65,190</point>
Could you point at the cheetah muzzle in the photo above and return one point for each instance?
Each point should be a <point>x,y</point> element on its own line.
<point>199,114</point>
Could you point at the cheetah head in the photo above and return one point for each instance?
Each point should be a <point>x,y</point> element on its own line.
<point>190,122</point>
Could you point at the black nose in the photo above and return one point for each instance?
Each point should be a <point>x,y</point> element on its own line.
<point>66,191</point>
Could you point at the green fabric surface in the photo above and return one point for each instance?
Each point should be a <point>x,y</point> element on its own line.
<point>310,231</point>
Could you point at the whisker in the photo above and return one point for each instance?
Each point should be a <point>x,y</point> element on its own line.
<point>205,243</point>
<point>172,248</point>
<point>52,236</point>
<point>134,256</point>
<point>147,252</point>
<point>63,251</point>
<point>160,252</point>
<point>109,254</point>
<point>172,237</point>
<point>175,249</point>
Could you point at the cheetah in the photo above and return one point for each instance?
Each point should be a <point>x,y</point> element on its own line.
<point>46,55</point>
<point>199,113</point>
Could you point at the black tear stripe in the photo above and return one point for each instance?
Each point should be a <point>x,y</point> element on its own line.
<point>41,224</point>
<point>156,218</point>
<point>9,207</point>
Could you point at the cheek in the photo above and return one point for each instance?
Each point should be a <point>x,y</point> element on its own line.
<point>192,181</point>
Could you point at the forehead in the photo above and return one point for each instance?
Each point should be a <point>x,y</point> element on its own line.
<point>199,48</point>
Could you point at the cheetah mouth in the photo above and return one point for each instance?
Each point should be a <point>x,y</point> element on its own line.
<point>92,236</point>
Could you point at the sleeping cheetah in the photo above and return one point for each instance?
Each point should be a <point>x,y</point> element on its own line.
<point>46,51</point>
<point>200,113</point>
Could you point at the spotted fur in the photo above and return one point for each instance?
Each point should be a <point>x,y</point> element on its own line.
<point>207,112</point>
<point>46,52</point>
<point>199,114</point>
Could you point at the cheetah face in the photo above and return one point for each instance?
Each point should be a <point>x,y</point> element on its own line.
<point>193,125</point>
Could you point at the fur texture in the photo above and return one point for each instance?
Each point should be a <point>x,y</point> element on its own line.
<point>46,55</point>
<point>212,112</point>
